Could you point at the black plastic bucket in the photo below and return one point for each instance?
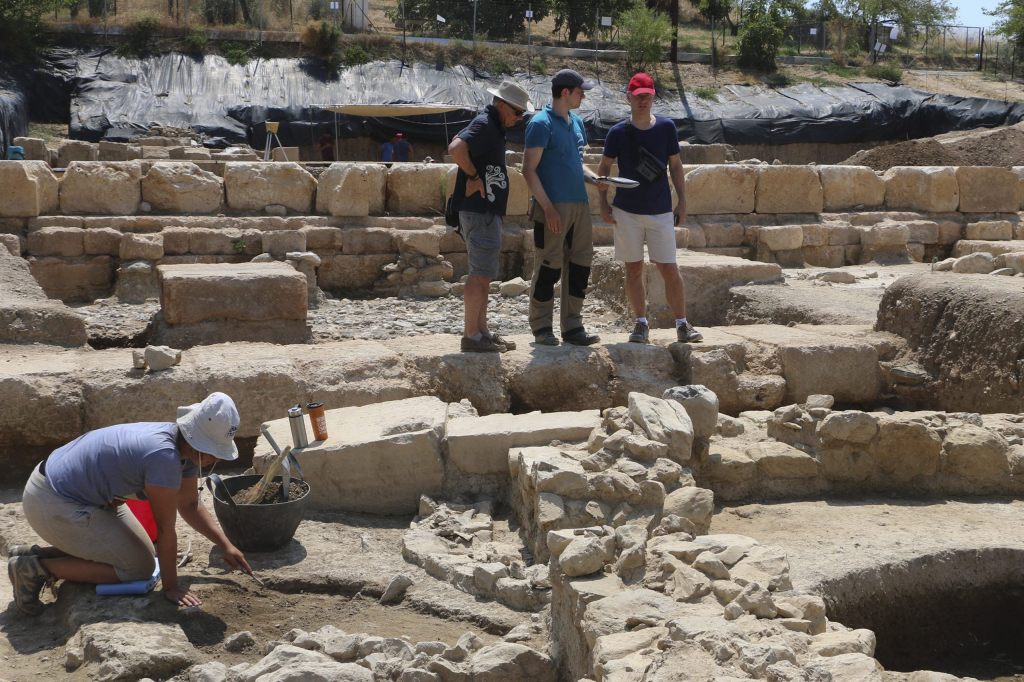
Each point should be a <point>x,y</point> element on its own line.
<point>259,527</point>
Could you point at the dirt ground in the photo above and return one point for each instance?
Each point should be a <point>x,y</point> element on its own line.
<point>331,574</point>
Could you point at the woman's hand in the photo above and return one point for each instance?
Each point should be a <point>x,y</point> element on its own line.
<point>234,558</point>
<point>182,597</point>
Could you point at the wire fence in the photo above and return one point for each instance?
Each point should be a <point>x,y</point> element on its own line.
<point>944,47</point>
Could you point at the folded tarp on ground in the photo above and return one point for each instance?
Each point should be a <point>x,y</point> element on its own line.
<point>117,98</point>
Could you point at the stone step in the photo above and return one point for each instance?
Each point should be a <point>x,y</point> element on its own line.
<point>51,398</point>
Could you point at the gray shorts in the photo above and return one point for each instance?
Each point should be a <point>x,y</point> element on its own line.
<point>108,536</point>
<point>483,242</point>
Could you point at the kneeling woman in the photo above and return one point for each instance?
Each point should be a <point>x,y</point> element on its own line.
<point>75,500</point>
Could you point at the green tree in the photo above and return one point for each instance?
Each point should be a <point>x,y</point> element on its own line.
<point>498,20</point>
<point>21,27</point>
<point>581,16</point>
<point>906,13</point>
<point>645,37</point>
<point>1010,22</point>
<point>760,36</point>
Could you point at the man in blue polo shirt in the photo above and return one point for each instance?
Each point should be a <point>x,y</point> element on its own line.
<point>644,144</point>
<point>554,171</point>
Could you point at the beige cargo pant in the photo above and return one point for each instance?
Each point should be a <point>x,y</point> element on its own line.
<point>565,257</point>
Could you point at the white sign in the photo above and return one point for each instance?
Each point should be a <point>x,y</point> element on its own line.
<point>894,33</point>
<point>814,31</point>
<point>878,47</point>
<point>881,48</point>
<point>606,21</point>
<point>529,14</point>
<point>335,5</point>
<point>441,19</point>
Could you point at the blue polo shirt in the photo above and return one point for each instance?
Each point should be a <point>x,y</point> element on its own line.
<point>561,166</point>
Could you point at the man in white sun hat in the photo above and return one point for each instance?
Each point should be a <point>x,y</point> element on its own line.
<point>481,188</point>
<point>74,500</point>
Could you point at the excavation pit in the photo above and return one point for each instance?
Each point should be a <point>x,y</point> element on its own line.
<point>955,612</point>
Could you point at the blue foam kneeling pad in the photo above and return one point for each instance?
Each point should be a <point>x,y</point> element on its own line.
<point>133,587</point>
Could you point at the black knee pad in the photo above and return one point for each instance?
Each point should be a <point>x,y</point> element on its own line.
<point>538,235</point>
<point>544,289</point>
<point>579,277</point>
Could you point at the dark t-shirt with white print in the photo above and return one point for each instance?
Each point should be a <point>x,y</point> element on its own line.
<point>486,140</point>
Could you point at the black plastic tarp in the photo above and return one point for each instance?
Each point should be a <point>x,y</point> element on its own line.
<point>116,98</point>
<point>13,112</point>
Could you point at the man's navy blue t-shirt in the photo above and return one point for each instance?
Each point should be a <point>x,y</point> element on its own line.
<point>662,140</point>
<point>486,140</point>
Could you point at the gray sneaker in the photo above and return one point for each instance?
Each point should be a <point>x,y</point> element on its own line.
<point>640,333</point>
<point>502,341</point>
<point>28,577</point>
<point>24,550</point>
<point>687,334</point>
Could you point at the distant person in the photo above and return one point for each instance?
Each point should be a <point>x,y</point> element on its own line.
<point>562,230</point>
<point>482,184</point>
<point>644,144</point>
<point>397,149</point>
<point>326,145</point>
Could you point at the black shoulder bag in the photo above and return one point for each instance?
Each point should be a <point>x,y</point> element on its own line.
<point>648,166</point>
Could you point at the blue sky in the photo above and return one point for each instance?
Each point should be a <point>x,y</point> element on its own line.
<point>970,13</point>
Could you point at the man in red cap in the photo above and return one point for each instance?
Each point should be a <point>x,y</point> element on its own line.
<point>398,149</point>
<point>644,145</point>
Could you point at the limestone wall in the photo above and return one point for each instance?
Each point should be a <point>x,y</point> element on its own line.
<point>811,450</point>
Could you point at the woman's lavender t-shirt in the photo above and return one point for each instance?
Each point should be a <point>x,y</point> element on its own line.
<point>662,140</point>
<point>115,463</point>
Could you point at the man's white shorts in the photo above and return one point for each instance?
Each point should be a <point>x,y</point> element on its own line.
<point>633,229</point>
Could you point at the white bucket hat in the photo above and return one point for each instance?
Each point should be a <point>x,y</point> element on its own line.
<point>210,426</point>
<point>513,94</point>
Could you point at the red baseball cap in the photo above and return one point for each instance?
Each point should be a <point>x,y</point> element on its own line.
<point>640,84</point>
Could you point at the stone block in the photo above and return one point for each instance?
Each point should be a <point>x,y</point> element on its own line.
<point>425,242</point>
<point>252,186</point>
<point>57,241</point>
<point>12,243</point>
<point>176,240</point>
<point>248,292</point>
<point>906,450</point>
<point>884,235</point>
<point>988,189</point>
<point>74,280</point>
<point>279,242</point>
<point>142,247</point>
<point>788,189</point>
<point>848,371</point>
<point>417,188</point>
<point>989,230</point>
<point>118,151</point>
<point>346,189</point>
<point>284,154</point>
<point>518,193</point>
<point>28,188</point>
<point>102,241</point>
<point>322,237</point>
<point>480,445</point>
<point>208,241</point>
<point>850,187</point>
<point>723,234</point>
<point>378,459</point>
<point>35,149</point>
<point>344,273</point>
<point>824,256</point>
<point>781,461</point>
<point>108,188</point>
<point>76,150</point>
<point>921,188</point>
<point>182,188</point>
<point>721,189</point>
<point>365,240</point>
<point>781,237</point>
